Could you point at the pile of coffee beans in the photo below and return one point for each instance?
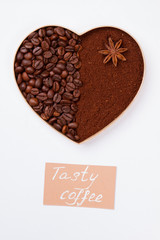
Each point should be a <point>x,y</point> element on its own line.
<point>47,72</point>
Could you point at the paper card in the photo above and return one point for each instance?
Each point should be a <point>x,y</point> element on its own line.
<point>79,185</point>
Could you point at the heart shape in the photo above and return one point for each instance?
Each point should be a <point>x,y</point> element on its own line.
<point>79,84</point>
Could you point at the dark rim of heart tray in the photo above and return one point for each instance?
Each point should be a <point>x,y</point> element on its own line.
<point>107,90</point>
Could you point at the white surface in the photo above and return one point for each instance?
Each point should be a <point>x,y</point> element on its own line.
<point>131,143</point>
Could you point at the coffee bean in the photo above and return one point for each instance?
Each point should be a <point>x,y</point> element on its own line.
<point>45,89</point>
<point>67,116</point>
<point>56,86</point>
<point>72,42</point>
<point>50,66</point>
<point>48,111</point>
<point>32,82</point>
<point>33,102</point>
<point>53,59</point>
<point>45,74</point>
<point>52,120</point>
<point>77,75</point>
<point>19,78</point>
<point>74,60</point>
<point>74,107</point>
<point>48,82</point>
<point>67,95</point>
<point>37,51</point>
<point>38,82</point>
<point>35,41</point>
<point>66,109</point>
<point>73,125</point>
<point>64,74</point>
<point>28,45</point>
<point>70,67</point>
<point>56,114</point>
<point>26,63</point>
<point>42,96</point>
<point>56,70</point>
<point>61,66</point>
<point>25,76</point>
<point>49,32</point>
<point>60,31</point>
<point>47,54</point>
<point>28,89</point>
<point>61,90</point>
<point>57,98</point>
<point>19,56</point>
<point>76,93</point>
<point>69,49</point>
<point>67,56</point>
<point>76,137</point>
<point>61,51</point>
<point>63,83</point>
<point>77,82</point>
<point>44,117</point>
<point>22,86</point>
<point>58,108</point>
<point>69,135</point>
<point>42,32</point>
<point>70,87</point>
<point>44,45</point>
<point>57,126</point>
<point>65,102</point>
<point>50,93</point>
<point>19,69</point>
<point>38,64</point>
<point>29,70</point>
<point>69,78</point>
<point>34,91</point>
<point>64,129</point>
<point>56,77</point>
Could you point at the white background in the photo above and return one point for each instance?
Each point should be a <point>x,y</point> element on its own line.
<point>130,143</point>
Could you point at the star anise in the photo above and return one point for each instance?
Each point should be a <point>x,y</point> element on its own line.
<point>113,52</point>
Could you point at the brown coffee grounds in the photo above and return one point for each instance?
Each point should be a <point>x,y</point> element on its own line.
<point>107,90</point>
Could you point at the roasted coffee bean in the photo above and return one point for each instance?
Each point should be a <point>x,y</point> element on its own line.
<point>61,51</point>
<point>67,95</point>
<point>65,129</point>
<point>69,135</point>
<point>38,64</point>
<point>45,89</point>
<point>32,82</point>
<point>76,93</point>
<point>57,126</point>
<point>35,41</point>
<point>28,55</point>
<point>56,86</point>
<point>61,66</point>
<point>70,87</point>
<point>50,66</point>
<point>67,56</point>
<point>49,111</point>
<point>56,77</point>
<point>19,56</point>
<point>57,98</point>
<point>34,91</point>
<point>44,117</point>
<point>19,78</point>
<point>25,76</point>
<point>42,32</point>
<point>30,70</point>
<point>28,45</point>
<point>56,70</point>
<point>42,96</point>
<point>72,42</point>
<point>77,82</point>
<point>52,120</point>
<point>37,51</point>
<point>69,49</point>
<point>70,67</point>
<point>58,108</point>
<point>74,107</point>
<point>46,72</point>
<point>67,116</point>
<point>28,89</point>
<point>61,90</point>
<point>38,82</point>
<point>47,54</point>
<point>60,31</point>
<point>69,78</point>
<point>66,109</point>
<point>33,102</point>
<point>73,125</point>
<point>50,93</point>
<point>53,59</point>
<point>26,62</point>
<point>64,74</point>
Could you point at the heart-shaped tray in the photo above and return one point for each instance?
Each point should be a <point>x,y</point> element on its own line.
<point>79,84</point>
